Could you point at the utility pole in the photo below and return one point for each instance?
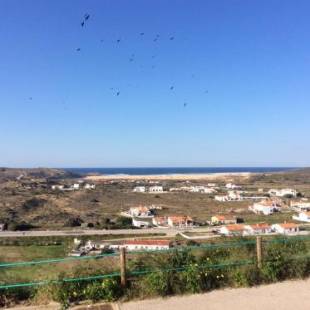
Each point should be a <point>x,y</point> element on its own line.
<point>259,251</point>
<point>123,266</point>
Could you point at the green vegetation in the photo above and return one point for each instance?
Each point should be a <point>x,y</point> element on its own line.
<point>188,270</point>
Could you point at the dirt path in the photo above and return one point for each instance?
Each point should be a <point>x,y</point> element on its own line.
<point>283,296</point>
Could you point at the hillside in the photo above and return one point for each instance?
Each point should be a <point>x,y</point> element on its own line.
<point>7,174</point>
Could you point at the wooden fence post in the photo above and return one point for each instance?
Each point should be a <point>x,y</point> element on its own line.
<point>259,251</point>
<point>123,266</point>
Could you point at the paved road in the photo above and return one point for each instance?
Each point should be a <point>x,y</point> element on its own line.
<point>283,296</point>
<point>86,232</point>
<point>170,232</point>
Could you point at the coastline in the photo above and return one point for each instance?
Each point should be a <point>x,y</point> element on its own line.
<point>185,177</point>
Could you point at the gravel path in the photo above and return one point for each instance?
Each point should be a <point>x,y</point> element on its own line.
<point>289,295</point>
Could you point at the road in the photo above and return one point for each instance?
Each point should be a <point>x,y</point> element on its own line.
<point>86,232</point>
<point>283,296</point>
<point>170,232</point>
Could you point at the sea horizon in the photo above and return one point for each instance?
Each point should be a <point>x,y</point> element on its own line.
<point>174,170</point>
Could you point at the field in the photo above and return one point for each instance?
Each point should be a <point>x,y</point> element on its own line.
<point>44,208</point>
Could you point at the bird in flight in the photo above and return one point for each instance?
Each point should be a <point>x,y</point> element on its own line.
<point>118,40</point>
<point>117,94</point>
<point>78,49</point>
<point>86,16</point>
<point>206,91</point>
<point>30,98</point>
<point>141,33</point>
<point>171,87</point>
<point>156,38</point>
<point>185,104</point>
<point>82,23</point>
<point>171,38</point>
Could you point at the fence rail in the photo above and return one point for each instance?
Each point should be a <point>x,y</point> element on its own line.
<point>123,274</point>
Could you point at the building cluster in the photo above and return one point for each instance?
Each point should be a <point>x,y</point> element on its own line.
<point>266,206</point>
<point>194,189</point>
<point>302,207</point>
<point>285,192</point>
<point>97,248</point>
<point>150,189</point>
<point>232,195</point>
<point>176,221</point>
<point>73,187</point>
<point>258,229</point>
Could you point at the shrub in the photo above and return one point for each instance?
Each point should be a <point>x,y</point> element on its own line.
<point>107,289</point>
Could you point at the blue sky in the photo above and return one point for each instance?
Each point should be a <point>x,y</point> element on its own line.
<point>58,108</point>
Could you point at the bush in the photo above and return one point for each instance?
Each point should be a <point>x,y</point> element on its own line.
<point>107,289</point>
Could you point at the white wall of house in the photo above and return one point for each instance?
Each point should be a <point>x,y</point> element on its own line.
<point>148,247</point>
<point>282,230</point>
<point>302,216</point>
<point>139,189</point>
<point>141,223</point>
<point>156,189</point>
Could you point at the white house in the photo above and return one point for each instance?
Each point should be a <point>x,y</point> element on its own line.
<point>89,186</point>
<point>221,198</point>
<point>156,189</point>
<point>231,196</point>
<point>161,221</point>
<point>141,222</point>
<point>235,195</point>
<point>59,187</point>
<point>212,185</point>
<point>140,212</point>
<point>201,189</point>
<point>301,205</point>
<point>257,229</point>
<point>222,219</point>
<point>285,228</point>
<point>232,186</point>
<point>75,186</point>
<point>139,189</point>
<point>180,221</point>
<point>303,216</point>
<point>232,230</point>
<point>266,207</point>
<point>148,245</point>
<point>283,192</point>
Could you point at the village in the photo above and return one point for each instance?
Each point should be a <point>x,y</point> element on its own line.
<point>146,217</point>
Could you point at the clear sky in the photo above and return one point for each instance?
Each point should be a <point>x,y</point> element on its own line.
<point>242,67</point>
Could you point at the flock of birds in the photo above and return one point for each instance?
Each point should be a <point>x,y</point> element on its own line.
<point>83,24</point>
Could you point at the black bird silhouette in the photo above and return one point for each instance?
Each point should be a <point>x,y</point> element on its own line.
<point>82,23</point>
<point>171,87</point>
<point>78,49</point>
<point>117,94</point>
<point>171,38</point>
<point>86,16</point>
<point>141,33</point>
<point>185,104</point>
<point>118,40</point>
<point>156,38</point>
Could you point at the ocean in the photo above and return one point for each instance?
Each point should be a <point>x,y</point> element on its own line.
<point>174,170</point>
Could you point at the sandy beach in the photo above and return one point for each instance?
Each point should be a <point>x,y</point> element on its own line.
<point>185,177</point>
